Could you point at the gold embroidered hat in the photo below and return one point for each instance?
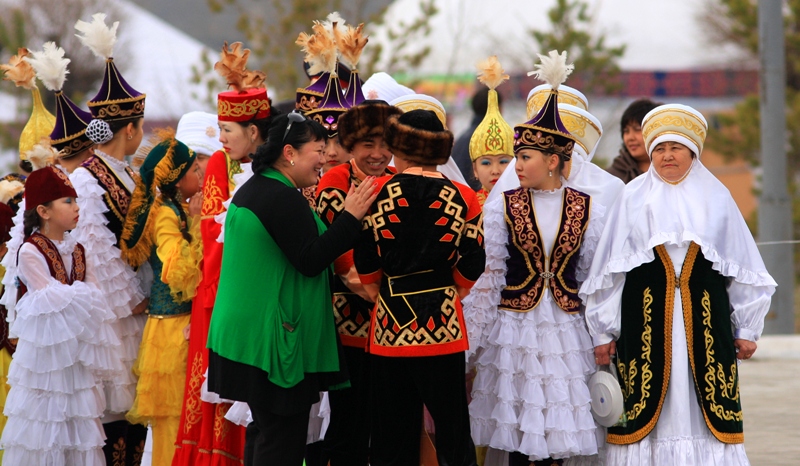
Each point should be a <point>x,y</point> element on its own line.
<point>117,100</point>
<point>332,104</point>
<point>677,123</point>
<point>320,54</point>
<point>546,132</point>
<point>247,98</point>
<point>494,135</point>
<point>166,163</point>
<point>410,102</point>
<point>41,122</point>
<point>584,126</point>
<point>69,135</point>
<point>566,95</point>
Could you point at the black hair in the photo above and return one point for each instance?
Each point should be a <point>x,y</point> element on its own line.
<point>171,194</point>
<point>636,112</point>
<point>262,124</point>
<point>480,101</point>
<point>300,133</point>
<point>117,125</point>
<point>25,165</point>
<point>31,220</point>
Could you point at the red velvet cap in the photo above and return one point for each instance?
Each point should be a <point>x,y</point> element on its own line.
<point>252,104</point>
<point>45,185</point>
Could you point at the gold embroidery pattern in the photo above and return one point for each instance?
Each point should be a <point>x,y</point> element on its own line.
<point>249,107</point>
<point>117,196</point>
<point>385,205</point>
<point>138,452</point>
<point>728,386</point>
<point>647,341</point>
<point>193,405</point>
<point>347,321</point>
<point>526,239</point>
<point>53,257</point>
<point>628,375</point>
<point>568,243</point>
<point>221,425</point>
<point>445,328</point>
<point>115,110</point>
<point>308,103</point>
<point>212,198</point>
<point>175,173</point>
<point>330,204</point>
<point>119,454</point>
<point>78,264</point>
<point>454,210</point>
<point>535,137</point>
<point>691,123</point>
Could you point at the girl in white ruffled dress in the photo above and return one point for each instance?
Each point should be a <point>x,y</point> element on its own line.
<point>66,344</point>
<point>534,355</point>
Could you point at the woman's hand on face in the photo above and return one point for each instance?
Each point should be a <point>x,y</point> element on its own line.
<point>196,204</point>
<point>361,198</point>
<point>603,353</point>
<point>744,348</point>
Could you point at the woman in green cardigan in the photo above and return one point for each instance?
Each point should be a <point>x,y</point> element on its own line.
<point>272,341</point>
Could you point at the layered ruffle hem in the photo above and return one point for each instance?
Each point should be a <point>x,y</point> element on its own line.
<point>65,347</point>
<point>118,283</point>
<point>530,394</point>
<point>677,451</point>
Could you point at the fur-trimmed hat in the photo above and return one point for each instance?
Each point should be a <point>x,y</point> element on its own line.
<point>367,119</point>
<point>420,136</point>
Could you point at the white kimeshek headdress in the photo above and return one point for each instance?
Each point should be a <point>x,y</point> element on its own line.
<point>698,208</point>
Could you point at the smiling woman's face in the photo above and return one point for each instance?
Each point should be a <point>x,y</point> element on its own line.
<point>672,160</point>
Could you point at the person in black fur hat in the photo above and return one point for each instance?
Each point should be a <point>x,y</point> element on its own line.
<point>419,257</point>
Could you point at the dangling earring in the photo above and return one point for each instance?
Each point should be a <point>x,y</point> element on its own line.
<point>292,162</point>
<point>551,174</point>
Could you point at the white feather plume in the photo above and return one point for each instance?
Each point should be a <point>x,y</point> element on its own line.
<point>9,189</point>
<point>553,68</point>
<point>97,36</point>
<point>334,18</point>
<point>50,66</point>
<point>42,154</point>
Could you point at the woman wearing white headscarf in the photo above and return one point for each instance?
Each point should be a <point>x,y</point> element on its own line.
<point>678,290</point>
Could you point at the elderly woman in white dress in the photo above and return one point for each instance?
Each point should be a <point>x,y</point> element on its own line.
<point>679,292</point>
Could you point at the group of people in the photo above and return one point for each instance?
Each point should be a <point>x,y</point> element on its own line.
<point>324,284</point>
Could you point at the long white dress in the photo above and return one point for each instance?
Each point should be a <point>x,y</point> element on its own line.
<point>66,346</point>
<point>123,287</point>
<point>530,393</point>
<point>680,437</point>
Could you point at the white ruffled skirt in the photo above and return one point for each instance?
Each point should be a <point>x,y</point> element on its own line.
<point>530,394</point>
<point>66,345</point>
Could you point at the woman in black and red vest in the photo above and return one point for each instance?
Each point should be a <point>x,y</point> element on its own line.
<point>534,356</point>
<point>66,343</point>
<point>422,254</point>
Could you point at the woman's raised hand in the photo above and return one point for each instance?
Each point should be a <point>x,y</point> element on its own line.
<point>361,198</point>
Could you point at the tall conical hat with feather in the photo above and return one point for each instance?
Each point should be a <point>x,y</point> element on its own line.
<point>332,104</point>
<point>69,135</point>
<point>546,132</point>
<point>117,100</point>
<point>320,56</point>
<point>41,122</point>
<point>493,136</point>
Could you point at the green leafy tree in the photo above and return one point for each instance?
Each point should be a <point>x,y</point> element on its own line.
<point>570,31</point>
<point>736,134</point>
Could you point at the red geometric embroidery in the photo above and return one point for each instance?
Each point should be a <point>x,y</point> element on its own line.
<point>442,221</point>
<point>387,234</point>
<point>435,205</point>
<point>431,324</point>
<point>393,218</point>
<point>402,202</point>
<point>329,217</point>
<point>447,238</point>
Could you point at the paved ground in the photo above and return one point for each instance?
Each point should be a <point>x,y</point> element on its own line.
<point>770,389</point>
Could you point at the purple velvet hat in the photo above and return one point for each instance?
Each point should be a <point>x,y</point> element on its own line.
<point>309,98</point>
<point>69,135</point>
<point>354,95</point>
<point>330,107</point>
<point>545,132</point>
<point>116,100</point>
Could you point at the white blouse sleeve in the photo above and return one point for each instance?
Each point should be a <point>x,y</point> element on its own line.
<point>116,279</point>
<point>597,219</point>
<point>604,311</point>
<point>480,306</point>
<point>750,305</point>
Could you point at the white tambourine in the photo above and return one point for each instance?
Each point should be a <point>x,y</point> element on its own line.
<point>607,402</point>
